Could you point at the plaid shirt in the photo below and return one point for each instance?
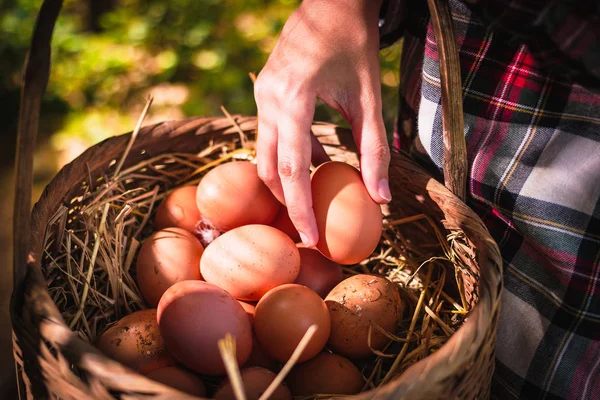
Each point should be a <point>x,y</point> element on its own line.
<point>530,76</point>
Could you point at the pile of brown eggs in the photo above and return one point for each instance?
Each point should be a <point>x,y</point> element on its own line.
<point>226,259</point>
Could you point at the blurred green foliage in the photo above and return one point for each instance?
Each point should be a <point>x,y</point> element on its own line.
<point>194,56</point>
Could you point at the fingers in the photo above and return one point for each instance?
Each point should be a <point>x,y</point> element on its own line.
<point>371,138</point>
<point>266,156</point>
<point>294,154</point>
<point>266,145</point>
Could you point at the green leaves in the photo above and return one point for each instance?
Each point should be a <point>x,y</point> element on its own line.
<point>197,52</point>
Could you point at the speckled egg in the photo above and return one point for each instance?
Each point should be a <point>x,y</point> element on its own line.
<point>354,305</point>
<point>135,341</point>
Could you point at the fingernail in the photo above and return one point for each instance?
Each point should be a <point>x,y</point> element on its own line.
<point>384,190</point>
<point>305,241</point>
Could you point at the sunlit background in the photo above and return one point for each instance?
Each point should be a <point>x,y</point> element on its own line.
<point>107,55</point>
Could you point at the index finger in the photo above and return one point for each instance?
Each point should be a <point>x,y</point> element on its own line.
<point>294,157</point>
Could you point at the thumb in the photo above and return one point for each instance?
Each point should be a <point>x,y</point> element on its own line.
<point>371,139</point>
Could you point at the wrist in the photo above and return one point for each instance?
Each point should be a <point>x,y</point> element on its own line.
<point>344,14</point>
<point>362,7</point>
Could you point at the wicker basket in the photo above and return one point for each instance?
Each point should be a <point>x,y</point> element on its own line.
<point>52,361</point>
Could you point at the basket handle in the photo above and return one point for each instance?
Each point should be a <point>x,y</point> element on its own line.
<point>453,126</point>
<point>35,80</point>
<point>33,86</point>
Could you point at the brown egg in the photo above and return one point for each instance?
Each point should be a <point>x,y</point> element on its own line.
<point>256,380</point>
<point>250,310</point>
<point>233,195</point>
<point>317,272</point>
<point>167,257</point>
<point>250,260</point>
<point>178,210</point>
<point>284,315</point>
<point>260,358</point>
<point>193,316</point>
<point>283,222</point>
<point>179,379</point>
<point>348,219</point>
<point>135,341</point>
<point>353,305</point>
<point>326,373</point>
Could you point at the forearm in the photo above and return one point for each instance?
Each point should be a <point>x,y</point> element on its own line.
<point>342,16</point>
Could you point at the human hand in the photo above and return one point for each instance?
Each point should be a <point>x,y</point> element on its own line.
<point>327,50</point>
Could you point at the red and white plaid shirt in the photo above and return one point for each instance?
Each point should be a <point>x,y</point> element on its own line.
<point>531,79</point>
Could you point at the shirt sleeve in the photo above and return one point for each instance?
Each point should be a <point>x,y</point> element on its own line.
<point>391,22</point>
<point>562,35</point>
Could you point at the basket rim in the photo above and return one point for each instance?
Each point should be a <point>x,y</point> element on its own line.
<point>463,343</point>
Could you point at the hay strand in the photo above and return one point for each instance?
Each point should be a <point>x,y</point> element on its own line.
<point>134,135</point>
<point>88,277</point>
<point>413,323</point>
<point>227,350</point>
<point>290,363</point>
<point>235,125</point>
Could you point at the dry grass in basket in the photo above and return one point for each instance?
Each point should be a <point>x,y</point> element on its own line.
<point>92,244</point>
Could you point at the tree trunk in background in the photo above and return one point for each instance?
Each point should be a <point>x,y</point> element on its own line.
<point>94,11</point>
